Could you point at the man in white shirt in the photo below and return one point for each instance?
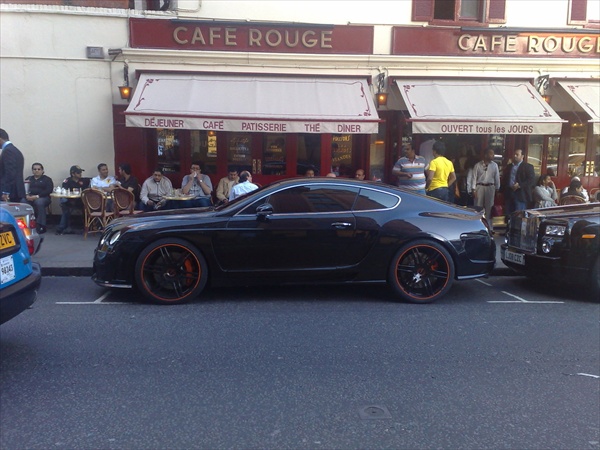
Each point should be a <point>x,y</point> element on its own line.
<point>485,182</point>
<point>103,181</point>
<point>244,186</point>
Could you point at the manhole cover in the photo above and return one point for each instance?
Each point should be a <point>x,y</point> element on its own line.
<point>374,412</point>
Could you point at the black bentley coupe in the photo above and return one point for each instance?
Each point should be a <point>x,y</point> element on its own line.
<point>301,231</point>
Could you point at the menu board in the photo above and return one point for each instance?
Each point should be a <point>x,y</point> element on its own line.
<point>239,150</point>
<point>168,150</point>
<point>274,156</point>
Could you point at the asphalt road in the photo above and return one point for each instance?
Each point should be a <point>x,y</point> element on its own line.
<point>497,363</point>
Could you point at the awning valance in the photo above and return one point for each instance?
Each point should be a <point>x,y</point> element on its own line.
<point>477,107</point>
<point>253,104</point>
<point>587,95</point>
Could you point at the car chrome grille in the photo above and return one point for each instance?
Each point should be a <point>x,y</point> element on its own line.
<point>523,231</point>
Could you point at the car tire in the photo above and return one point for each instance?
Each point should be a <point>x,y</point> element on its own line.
<point>421,271</point>
<point>170,272</point>
<point>595,281</point>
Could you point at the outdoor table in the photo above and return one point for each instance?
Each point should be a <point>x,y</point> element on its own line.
<point>179,197</point>
<point>72,196</point>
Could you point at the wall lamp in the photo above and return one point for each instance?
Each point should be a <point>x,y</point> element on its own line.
<point>381,96</point>
<point>125,90</point>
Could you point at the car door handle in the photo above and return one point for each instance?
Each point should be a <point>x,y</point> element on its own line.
<point>340,225</point>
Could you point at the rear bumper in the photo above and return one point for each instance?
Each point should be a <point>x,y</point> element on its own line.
<point>18,297</point>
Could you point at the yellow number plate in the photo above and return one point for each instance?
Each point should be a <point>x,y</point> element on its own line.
<point>6,240</point>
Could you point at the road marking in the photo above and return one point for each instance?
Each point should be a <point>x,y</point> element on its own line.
<point>483,282</point>
<point>588,375</point>
<point>519,300</point>
<point>98,301</point>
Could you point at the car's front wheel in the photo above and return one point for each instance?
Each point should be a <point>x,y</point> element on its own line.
<point>171,271</point>
<point>421,271</point>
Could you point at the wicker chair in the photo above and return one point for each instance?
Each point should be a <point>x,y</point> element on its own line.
<point>96,217</point>
<point>571,200</point>
<point>124,202</point>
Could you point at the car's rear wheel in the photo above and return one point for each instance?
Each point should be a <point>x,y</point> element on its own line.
<point>421,271</point>
<point>171,271</point>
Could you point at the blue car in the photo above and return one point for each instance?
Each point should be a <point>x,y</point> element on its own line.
<point>20,278</point>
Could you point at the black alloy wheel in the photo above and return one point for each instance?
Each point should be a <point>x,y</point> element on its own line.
<point>421,271</point>
<point>171,271</point>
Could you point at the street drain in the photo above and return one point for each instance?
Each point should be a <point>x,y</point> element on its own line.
<point>374,412</point>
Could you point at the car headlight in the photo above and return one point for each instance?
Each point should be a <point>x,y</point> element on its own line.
<point>114,238</point>
<point>555,230</point>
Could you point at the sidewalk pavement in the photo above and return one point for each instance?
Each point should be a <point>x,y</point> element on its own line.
<point>72,255</point>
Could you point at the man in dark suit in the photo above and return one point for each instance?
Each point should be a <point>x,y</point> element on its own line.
<point>12,162</point>
<point>518,184</point>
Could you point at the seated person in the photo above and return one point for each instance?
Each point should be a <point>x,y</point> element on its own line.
<point>128,181</point>
<point>244,186</point>
<point>104,181</point>
<point>575,189</point>
<point>154,190</point>
<point>544,194</point>
<point>225,185</point>
<point>583,192</point>
<point>198,185</point>
<point>67,205</point>
<point>40,188</point>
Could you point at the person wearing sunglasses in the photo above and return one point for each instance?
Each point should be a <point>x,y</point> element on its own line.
<point>38,195</point>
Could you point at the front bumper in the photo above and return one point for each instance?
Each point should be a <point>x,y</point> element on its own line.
<point>17,297</point>
<point>541,266</point>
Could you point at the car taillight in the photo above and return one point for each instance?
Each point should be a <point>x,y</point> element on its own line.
<point>27,232</point>
<point>32,222</point>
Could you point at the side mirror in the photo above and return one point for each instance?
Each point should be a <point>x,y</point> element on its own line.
<point>263,211</point>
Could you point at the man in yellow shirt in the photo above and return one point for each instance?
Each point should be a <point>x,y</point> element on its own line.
<point>440,173</point>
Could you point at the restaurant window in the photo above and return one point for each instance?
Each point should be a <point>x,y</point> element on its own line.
<point>341,155</point>
<point>168,150</point>
<point>274,155</point>
<point>239,152</point>
<point>577,145</point>
<point>496,142</point>
<point>203,147</point>
<point>534,153</point>
<point>309,153</point>
<point>594,168</point>
<point>552,160</point>
<point>583,12</point>
<point>482,11</point>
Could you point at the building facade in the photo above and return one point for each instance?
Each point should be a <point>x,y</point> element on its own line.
<point>280,87</point>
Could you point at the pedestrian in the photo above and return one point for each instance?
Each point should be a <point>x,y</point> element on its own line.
<point>359,174</point>
<point>440,174</point>
<point>518,184</point>
<point>485,182</point>
<point>410,170</point>
<point>40,188</point>
<point>12,164</point>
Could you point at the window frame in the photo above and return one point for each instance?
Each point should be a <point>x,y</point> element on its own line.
<point>492,12</point>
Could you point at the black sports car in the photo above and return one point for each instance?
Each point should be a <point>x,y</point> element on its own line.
<point>303,230</point>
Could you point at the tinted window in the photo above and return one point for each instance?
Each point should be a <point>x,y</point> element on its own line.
<point>313,199</point>
<point>251,209</point>
<point>369,199</point>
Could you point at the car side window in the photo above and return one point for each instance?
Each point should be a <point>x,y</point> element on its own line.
<point>369,199</point>
<point>313,199</point>
<point>251,209</point>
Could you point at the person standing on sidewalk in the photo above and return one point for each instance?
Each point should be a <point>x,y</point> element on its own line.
<point>40,188</point>
<point>410,170</point>
<point>440,174</point>
<point>12,186</point>
<point>485,182</point>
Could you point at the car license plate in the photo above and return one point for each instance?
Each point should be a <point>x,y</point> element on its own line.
<point>7,240</point>
<point>517,258</point>
<point>7,269</point>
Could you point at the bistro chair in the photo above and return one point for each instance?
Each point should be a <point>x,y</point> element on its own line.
<point>124,202</point>
<point>96,217</point>
<point>571,200</point>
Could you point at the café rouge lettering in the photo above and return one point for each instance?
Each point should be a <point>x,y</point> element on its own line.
<point>229,36</point>
<point>534,44</point>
